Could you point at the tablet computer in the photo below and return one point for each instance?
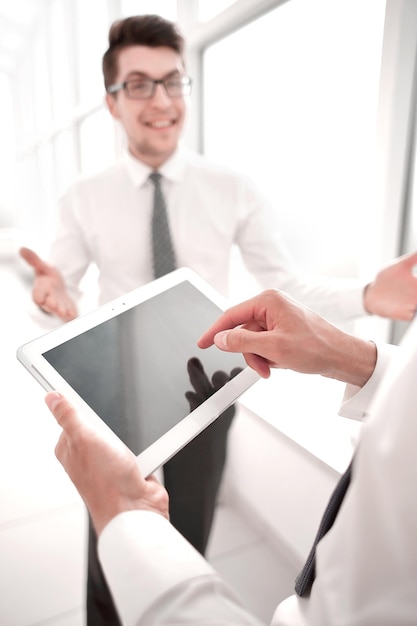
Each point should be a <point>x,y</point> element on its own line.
<point>135,363</point>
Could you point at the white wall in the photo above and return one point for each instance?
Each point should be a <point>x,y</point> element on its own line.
<point>279,485</point>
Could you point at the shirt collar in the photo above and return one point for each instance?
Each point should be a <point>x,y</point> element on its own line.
<point>173,169</point>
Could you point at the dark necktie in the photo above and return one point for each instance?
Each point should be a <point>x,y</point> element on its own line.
<point>162,248</point>
<point>306,577</point>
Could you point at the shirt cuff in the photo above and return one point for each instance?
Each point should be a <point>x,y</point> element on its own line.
<point>351,302</point>
<point>357,400</point>
<point>143,558</point>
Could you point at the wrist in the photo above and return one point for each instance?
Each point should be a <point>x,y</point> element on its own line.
<point>355,361</point>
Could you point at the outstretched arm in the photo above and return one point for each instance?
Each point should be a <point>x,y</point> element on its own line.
<point>49,291</point>
<point>393,293</point>
<point>273,330</point>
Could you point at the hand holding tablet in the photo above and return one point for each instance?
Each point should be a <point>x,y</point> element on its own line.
<point>134,363</point>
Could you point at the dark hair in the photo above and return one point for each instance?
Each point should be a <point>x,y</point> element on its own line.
<point>139,30</point>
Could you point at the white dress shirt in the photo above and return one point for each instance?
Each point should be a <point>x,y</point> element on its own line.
<point>366,564</point>
<point>106,220</point>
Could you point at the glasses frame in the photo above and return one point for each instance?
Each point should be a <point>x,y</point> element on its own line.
<point>185,80</point>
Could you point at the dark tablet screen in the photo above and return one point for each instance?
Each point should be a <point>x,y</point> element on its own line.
<point>133,369</point>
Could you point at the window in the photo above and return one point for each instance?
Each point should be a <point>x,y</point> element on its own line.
<point>28,196</point>
<point>409,239</point>
<point>47,190</point>
<point>24,109</point>
<point>207,9</point>
<point>97,142</point>
<point>65,162</point>
<point>92,37</point>
<point>40,86</point>
<point>411,234</point>
<point>61,70</point>
<point>165,8</point>
<point>7,155</point>
<point>296,111</point>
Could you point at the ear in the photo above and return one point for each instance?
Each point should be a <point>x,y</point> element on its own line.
<point>111,101</point>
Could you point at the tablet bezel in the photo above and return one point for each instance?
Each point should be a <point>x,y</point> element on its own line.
<point>31,356</point>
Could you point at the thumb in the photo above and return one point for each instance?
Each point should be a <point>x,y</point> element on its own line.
<point>410,259</point>
<point>64,413</point>
<point>34,260</point>
<point>252,344</point>
<point>234,340</point>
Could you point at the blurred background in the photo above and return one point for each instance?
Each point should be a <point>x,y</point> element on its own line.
<point>316,101</point>
<point>302,95</point>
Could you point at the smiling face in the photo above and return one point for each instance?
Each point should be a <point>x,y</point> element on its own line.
<point>153,127</point>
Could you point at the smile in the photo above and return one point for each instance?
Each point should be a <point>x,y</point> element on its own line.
<point>160,123</point>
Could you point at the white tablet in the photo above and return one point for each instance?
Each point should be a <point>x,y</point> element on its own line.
<point>130,362</point>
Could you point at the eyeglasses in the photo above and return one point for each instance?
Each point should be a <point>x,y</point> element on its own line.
<point>144,88</point>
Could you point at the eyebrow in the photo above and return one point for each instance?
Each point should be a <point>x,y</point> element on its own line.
<point>139,74</point>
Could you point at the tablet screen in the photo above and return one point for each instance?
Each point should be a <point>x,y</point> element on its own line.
<point>132,369</point>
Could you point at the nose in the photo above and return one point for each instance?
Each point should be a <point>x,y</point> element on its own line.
<point>160,97</point>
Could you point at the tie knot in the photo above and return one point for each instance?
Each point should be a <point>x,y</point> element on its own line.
<point>155,177</point>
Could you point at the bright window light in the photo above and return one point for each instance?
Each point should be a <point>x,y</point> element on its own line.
<point>7,155</point>
<point>295,108</point>
<point>165,8</point>
<point>207,9</point>
<point>97,142</point>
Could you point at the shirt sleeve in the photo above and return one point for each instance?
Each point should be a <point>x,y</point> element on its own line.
<point>69,250</point>
<point>157,577</point>
<point>366,563</point>
<point>357,400</point>
<point>366,567</point>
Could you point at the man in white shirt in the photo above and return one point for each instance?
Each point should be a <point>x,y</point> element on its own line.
<point>106,220</point>
<point>366,568</point>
